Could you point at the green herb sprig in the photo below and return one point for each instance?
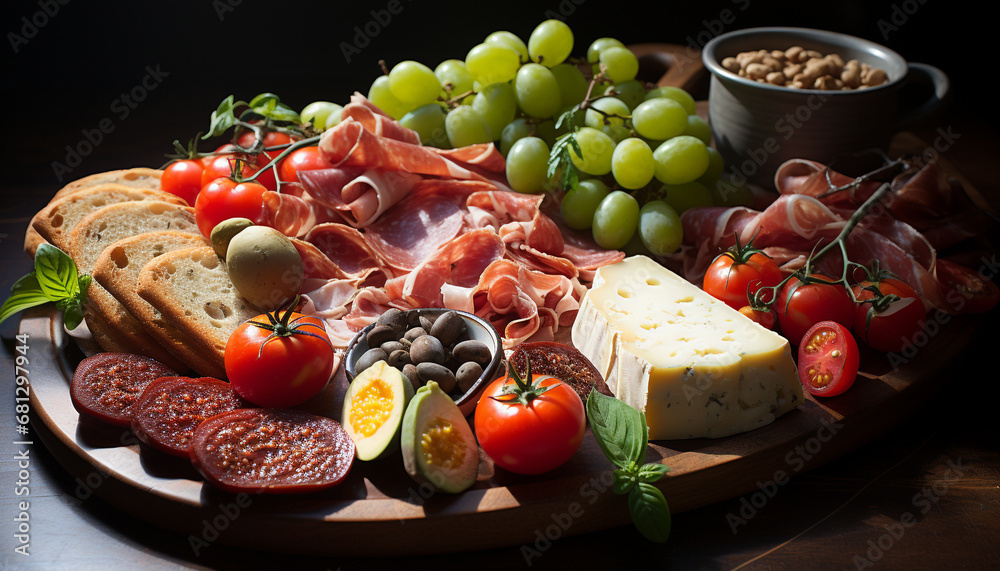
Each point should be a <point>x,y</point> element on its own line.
<point>55,279</point>
<point>620,431</point>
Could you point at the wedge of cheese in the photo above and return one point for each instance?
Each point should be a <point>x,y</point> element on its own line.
<point>695,367</point>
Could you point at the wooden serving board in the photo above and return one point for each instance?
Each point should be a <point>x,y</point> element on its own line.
<point>378,498</point>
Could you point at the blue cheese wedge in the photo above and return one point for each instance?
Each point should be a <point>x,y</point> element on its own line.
<point>695,366</point>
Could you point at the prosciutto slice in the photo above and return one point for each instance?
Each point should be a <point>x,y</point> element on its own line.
<point>346,248</point>
<point>375,120</point>
<point>362,199</point>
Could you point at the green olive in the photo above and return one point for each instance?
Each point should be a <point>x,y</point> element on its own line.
<point>224,231</point>
<point>265,267</point>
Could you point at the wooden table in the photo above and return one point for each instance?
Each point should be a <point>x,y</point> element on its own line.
<point>924,495</point>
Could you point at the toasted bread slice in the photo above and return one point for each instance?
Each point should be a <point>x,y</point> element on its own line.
<point>192,290</point>
<point>55,222</point>
<point>107,225</point>
<point>117,269</point>
<point>140,177</point>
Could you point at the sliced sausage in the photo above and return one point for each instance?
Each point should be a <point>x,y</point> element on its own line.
<point>170,408</point>
<point>106,385</point>
<point>271,451</point>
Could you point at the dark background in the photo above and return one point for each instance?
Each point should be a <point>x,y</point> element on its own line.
<point>68,73</point>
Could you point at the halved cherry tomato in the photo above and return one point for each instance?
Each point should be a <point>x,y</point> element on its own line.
<point>883,322</point>
<point>968,292</point>
<point>279,362</point>
<point>530,426</point>
<point>183,179</point>
<point>764,318</point>
<point>828,359</point>
<point>801,304</point>
<point>224,198</point>
<point>304,159</point>
<point>736,275</point>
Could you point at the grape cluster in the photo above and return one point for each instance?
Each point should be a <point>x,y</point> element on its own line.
<point>637,155</point>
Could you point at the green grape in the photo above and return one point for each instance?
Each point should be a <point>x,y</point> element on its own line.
<point>572,84</point>
<point>497,104</point>
<point>514,131</point>
<point>677,94</point>
<point>594,51</point>
<point>550,43</point>
<point>492,63</point>
<point>414,83</point>
<point>620,63</point>
<point>429,122</point>
<point>597,149</point>
<point>537,91</point>
<point>659,119</point>
<point>527,165</point>
<point>660,228</point>
<point>322,114</point>
<point>546,131</point>
<point>615,220</point>
<point>692,194</point>
<point>632,92</point>
<point>725,192</point>
<point>716,165</point>
<point>681,159</point>
<point>632,163</point>
<point>381,96</point>
<point>453,72</point>
<point>571,123</point>
<point>510,40</point>
<point>580,203</point>
<point>698,127</point>
<point>606,111</point>
<point>465,126</point>
<point>635,247</point>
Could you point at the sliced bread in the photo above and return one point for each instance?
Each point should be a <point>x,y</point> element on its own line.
<point>55,222</point>
<point>192,290</point>
<point>140,177</point>
<point>117,269</point>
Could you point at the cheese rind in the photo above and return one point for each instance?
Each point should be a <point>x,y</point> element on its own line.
<point>694,366</point>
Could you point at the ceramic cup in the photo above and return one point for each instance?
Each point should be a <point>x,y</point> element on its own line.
<point>758,126</point>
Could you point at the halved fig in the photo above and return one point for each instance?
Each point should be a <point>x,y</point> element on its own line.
<point>563,362</point>
<point>106,385</point>
<point>170,408</point>
<point>274,451</point>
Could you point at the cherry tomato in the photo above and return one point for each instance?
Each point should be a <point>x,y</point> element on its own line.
<point>883,325</point>
<point>800,305</point>
<point>281,365</point>
<point>304,159</point>
<point>763,317</point>
<point>223,165</point>
<point>828,359</point>
<point>224,198</point>
<point>736,275</point>
<point>271,139</point>
<point>183,179</point>
<point>967,291</point>
<point>534,435</point>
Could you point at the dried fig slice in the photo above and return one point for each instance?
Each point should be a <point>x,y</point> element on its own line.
<point>563,362</point>
<point>106,385</point>
<point>276,451</point>
<point>171,408</point>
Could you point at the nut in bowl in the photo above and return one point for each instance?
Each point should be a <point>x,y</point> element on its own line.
<point>458,350</point>
<point>760,120</point>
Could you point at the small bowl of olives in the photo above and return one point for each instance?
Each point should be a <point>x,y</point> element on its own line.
<point>458,350</point>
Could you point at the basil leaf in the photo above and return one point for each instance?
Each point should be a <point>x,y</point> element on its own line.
<point>650,512</point>
<point>24,293</point>
<point>56,273</point>
<point>263,100</point>
<point>650,473</point>
<point>623,480</point>
<point>222,118</point>
<point>619,429</point>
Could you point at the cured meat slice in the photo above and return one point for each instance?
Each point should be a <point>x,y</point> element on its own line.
<point>106,385</point>
<point>373,119</point>
<point>811,178</point>
<point>317,265</point>
<point>274,451</point>
<point>458,263</point>
<point>287,213</point>
<point>345,247</point>
<point>503,207</point>
<point>363,199</point>
<point>170,408</point>
<point>428,218</point>
<point>483,155</point>
<point>326,186</point>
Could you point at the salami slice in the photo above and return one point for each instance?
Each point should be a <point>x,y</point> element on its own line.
<point>563,362</point>
<point>276,451</point>
<point>170,408</point>
<point>106,385</point>
<point>345,247</point>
